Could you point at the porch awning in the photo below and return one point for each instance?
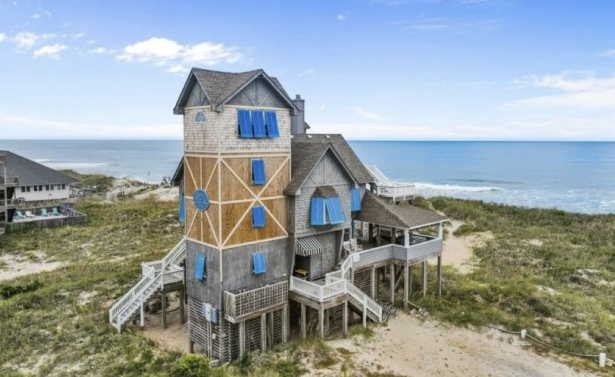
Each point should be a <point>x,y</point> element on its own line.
<point>307,246</point>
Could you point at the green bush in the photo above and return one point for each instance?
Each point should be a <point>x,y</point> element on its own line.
<point>191,366</point>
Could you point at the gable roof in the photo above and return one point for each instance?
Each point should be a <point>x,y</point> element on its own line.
<point>178,175</point>
<point>376,210</point>
<point>30,172</point>
<point>306,151</point>
<point>220,87</point>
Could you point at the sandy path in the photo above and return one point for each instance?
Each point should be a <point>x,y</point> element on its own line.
<point>457,251</point>
<point>15,266</point>
<point>411,347</point>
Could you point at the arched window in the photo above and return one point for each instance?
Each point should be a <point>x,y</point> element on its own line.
<point>200,117</point>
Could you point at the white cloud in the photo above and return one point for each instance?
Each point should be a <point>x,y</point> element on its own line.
<point>586,92</point>
<point>307,72</point>
<point>610,53</point>
<point>101,50</point>
<point>78,35</point>
<point>168,53</point>
<point>2,37</point>
<point>210,54</point>
<point>323,106</point>
<point>368,114</point>
<point>91,42</point>
<point>341,17</point>
<point>152,49</point>
<point>26,40</point>
<point>51,51</point>
<point>36,16</point>
<point>178,69</point>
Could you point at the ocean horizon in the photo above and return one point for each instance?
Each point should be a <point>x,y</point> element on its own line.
<point>574,176</point>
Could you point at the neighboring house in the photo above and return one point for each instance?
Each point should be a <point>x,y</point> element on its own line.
<point>8,205</point>
<point>36,182</point>
<point>270,228</point>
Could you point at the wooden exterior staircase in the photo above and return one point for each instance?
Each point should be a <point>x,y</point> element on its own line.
<point>154,277</point>
<point>338,283</point>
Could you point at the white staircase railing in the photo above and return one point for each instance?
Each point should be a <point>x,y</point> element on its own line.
<point>366,303</point>
<point>336,283</point>
<point>155,274</point>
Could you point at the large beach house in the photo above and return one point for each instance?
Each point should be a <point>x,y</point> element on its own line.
<point>283,229</point>
<point>36,182</point>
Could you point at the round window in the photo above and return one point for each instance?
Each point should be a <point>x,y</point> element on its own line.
<point>201,200</point>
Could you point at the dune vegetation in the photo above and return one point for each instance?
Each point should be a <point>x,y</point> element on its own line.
<point>547,271</point>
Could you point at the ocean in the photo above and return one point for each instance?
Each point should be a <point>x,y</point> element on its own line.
<point>572,176</point>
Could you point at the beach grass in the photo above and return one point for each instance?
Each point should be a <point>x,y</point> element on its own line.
<point>546,271</point>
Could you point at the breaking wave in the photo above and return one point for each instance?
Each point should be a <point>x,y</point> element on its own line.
<point>454,188</point>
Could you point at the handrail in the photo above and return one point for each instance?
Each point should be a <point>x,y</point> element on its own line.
<point>316,291</point>
<point>365,300</point>
<point>151,275</point>
<point>133,294</point>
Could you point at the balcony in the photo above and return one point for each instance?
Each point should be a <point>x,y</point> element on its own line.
<point>9,182</point>
<point>10,203</point>
<point>245,305</point>
<point>421,248</point>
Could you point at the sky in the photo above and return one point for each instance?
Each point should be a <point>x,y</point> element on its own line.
<point>369,69</point>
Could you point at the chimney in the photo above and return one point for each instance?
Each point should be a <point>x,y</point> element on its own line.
<point>297,125</point>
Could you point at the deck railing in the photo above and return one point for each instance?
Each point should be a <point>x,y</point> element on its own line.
<point>318,292</point>
<point>398,191</point>
<point>338,282</point>
<point>241,306</point>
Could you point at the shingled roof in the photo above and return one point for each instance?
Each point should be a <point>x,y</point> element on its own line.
<point>376,210</point>
<point>220,87</point>
<point>306,151</point>
<point>31,173</point>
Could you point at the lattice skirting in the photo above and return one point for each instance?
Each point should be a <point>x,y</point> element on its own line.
<point>221,341</point>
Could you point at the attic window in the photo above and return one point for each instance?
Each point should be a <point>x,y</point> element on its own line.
<point>245,124</point>
<point>200,117</point>
<point>257,124</point>
<point>272,124</point>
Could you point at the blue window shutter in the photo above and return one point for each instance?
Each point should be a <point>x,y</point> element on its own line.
<point>182,208</point>
<point>335,211</point>
<point>272,124</point>
<point>258,217</point>
<point>258,122</point>
<point>355,200</point>
<point>260,267</point>
<point>258,172</point>
<point>245,124</point>
<point>317,212</point>
<point>199,269</point>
